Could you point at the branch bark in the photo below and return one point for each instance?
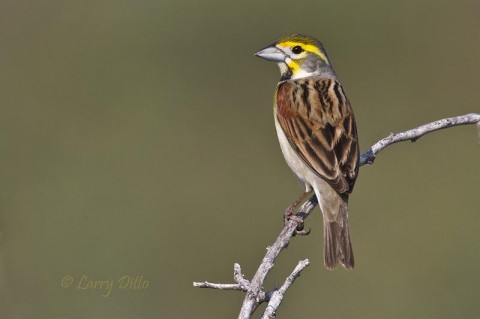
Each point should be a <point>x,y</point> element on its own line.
<point>252,300</point>
<point>414,134</point>
<point>255,294</point>
<point>242,284</point>
<point>277,296</point>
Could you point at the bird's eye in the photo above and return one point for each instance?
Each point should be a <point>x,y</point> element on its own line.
<point>297,49</point>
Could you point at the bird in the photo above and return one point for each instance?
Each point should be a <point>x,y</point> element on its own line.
<point>317,133</point>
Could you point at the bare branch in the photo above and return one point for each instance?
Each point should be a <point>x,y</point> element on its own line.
<point>241,285</point>
<point>277,296</point>
<point>252,299</point>
<point>238,276</point>
<point>206,284</point>
<point>414,134</point>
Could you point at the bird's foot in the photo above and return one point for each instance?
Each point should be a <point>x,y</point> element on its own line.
<point>289,215</point>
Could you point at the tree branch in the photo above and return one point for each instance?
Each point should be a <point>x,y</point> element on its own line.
<point>241,283</point>
<point>255,295</point>
<point>252,299</point>
<point>277,296</point>
<point>206,284</point>
<point>414,134</point>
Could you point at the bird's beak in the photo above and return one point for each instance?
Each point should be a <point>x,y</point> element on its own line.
<point>271,53</point>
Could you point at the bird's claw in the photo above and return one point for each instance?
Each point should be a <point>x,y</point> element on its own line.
<point>302,232</point>
<point>301,224</point>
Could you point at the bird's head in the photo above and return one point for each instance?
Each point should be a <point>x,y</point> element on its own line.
<point>298,56</point>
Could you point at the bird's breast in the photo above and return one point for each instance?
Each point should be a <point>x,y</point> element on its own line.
<point>294,161</point>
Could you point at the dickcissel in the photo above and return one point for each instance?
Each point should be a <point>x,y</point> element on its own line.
<point>317,134</point>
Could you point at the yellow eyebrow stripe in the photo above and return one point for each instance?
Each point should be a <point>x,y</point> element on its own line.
<point>306,47</point>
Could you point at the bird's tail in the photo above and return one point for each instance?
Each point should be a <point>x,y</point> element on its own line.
<point>337,246</point>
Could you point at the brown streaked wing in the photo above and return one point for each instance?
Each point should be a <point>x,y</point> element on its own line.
<point>320,126</point>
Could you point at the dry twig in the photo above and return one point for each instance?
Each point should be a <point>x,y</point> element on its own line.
<point>277,295</point>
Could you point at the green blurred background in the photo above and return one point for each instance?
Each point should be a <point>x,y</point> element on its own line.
<point>137,138</point>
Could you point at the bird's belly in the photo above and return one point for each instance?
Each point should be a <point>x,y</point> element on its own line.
<point>294,161</point>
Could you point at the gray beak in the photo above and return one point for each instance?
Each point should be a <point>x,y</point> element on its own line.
<point>271,53</point>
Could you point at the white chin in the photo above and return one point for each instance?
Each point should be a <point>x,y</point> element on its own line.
<point>301,74</point>
<point>283,67</point>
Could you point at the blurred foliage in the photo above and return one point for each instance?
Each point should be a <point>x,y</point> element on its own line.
<point>137,138</point>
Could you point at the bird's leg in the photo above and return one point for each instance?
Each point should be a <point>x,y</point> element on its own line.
<point>289,211</point>
<point>289,215</point>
